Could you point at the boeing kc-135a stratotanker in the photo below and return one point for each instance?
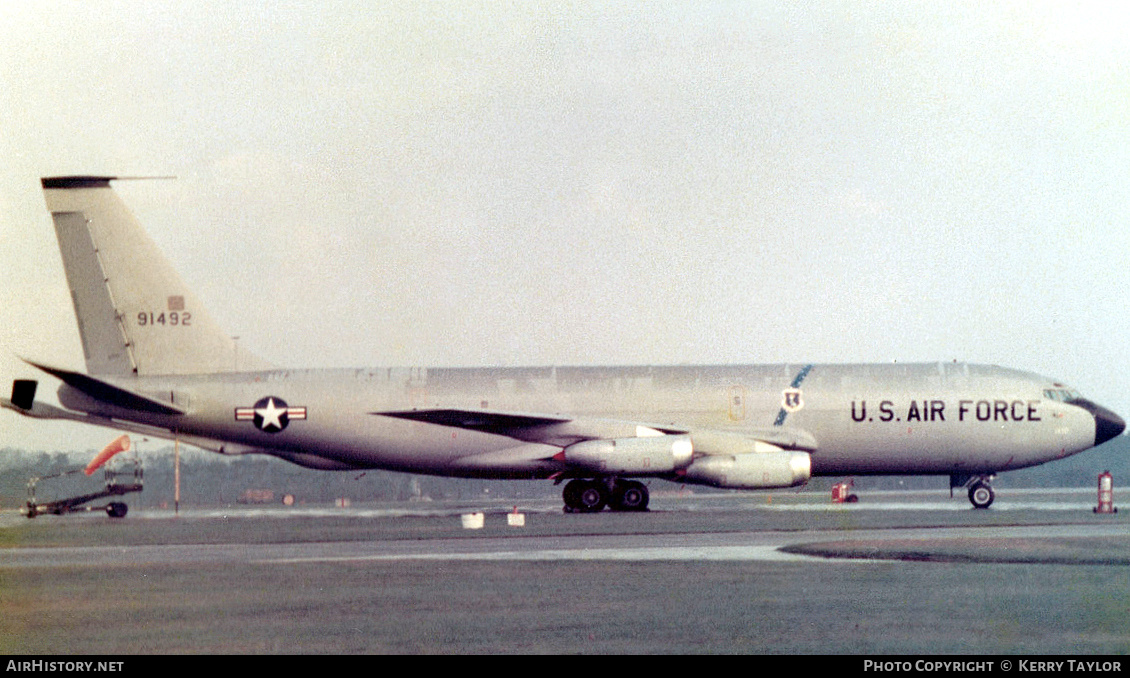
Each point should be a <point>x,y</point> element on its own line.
<point>156,364</point>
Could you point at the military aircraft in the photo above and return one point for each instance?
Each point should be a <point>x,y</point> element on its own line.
<point>157,365</point>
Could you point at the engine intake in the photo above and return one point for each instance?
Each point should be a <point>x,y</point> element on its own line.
<point>639,455</point>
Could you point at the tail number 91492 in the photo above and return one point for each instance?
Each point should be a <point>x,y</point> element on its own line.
<point>168,318</point>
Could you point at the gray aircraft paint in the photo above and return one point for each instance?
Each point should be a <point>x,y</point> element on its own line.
<point>1016,426</point>
<point>158,365</point>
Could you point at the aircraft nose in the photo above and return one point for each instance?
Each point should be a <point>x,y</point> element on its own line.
<point>1107,424</point>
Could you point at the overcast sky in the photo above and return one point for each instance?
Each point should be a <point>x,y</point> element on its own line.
<point>450,183</point>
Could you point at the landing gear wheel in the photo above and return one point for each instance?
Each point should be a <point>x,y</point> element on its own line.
<point>592,497</point>
<point>981,495</point>
<point>630,495</point>
<point>569,494</point>
<point>584,496</point>
<point>117,510</point>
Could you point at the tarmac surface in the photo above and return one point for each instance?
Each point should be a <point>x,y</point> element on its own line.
<point>700,573</point>
<point>1060,544</point>
<point>1051,526</point>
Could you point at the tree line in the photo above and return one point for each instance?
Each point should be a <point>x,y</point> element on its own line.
<point>208,479</point>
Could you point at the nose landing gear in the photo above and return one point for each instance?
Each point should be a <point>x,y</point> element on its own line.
<point>981,493</point>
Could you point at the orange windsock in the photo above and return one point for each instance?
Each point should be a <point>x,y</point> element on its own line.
<point>119,445</point>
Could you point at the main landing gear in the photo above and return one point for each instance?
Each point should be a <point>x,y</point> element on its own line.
<point>590,496</point>
<point>981,493</point>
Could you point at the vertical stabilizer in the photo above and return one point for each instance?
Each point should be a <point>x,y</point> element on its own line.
<point>135,315</point>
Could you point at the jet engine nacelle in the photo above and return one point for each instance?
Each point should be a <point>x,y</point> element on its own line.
<point>640,455</point>
<point>752,471</point>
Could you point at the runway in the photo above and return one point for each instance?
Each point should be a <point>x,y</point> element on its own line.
<point>929,543</point>
<point>900,572</point>
<point>1054,519</point>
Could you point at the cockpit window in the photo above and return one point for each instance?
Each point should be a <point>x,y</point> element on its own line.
<point>1062,395</point>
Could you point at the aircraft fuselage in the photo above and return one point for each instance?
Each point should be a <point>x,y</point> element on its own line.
<point>158,364</point>
<point>939,418</point>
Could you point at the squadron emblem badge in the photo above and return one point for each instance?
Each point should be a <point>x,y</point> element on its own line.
<point>791,400</point>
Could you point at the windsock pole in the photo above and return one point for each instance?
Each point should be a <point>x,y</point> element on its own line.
<point>176,475</point>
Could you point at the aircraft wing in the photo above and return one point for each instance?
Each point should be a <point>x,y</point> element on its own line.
<point>509,424</point>
<point>562,432</point>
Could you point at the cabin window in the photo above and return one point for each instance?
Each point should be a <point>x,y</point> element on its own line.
<point>1061,395</point>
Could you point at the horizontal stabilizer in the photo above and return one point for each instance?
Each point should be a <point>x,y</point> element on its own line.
<point>41,410</point>
<point>109,393</point>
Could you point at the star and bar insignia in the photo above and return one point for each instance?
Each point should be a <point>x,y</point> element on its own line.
<point>270,414</point>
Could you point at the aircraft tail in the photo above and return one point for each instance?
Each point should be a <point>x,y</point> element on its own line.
<point>135,315</point>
